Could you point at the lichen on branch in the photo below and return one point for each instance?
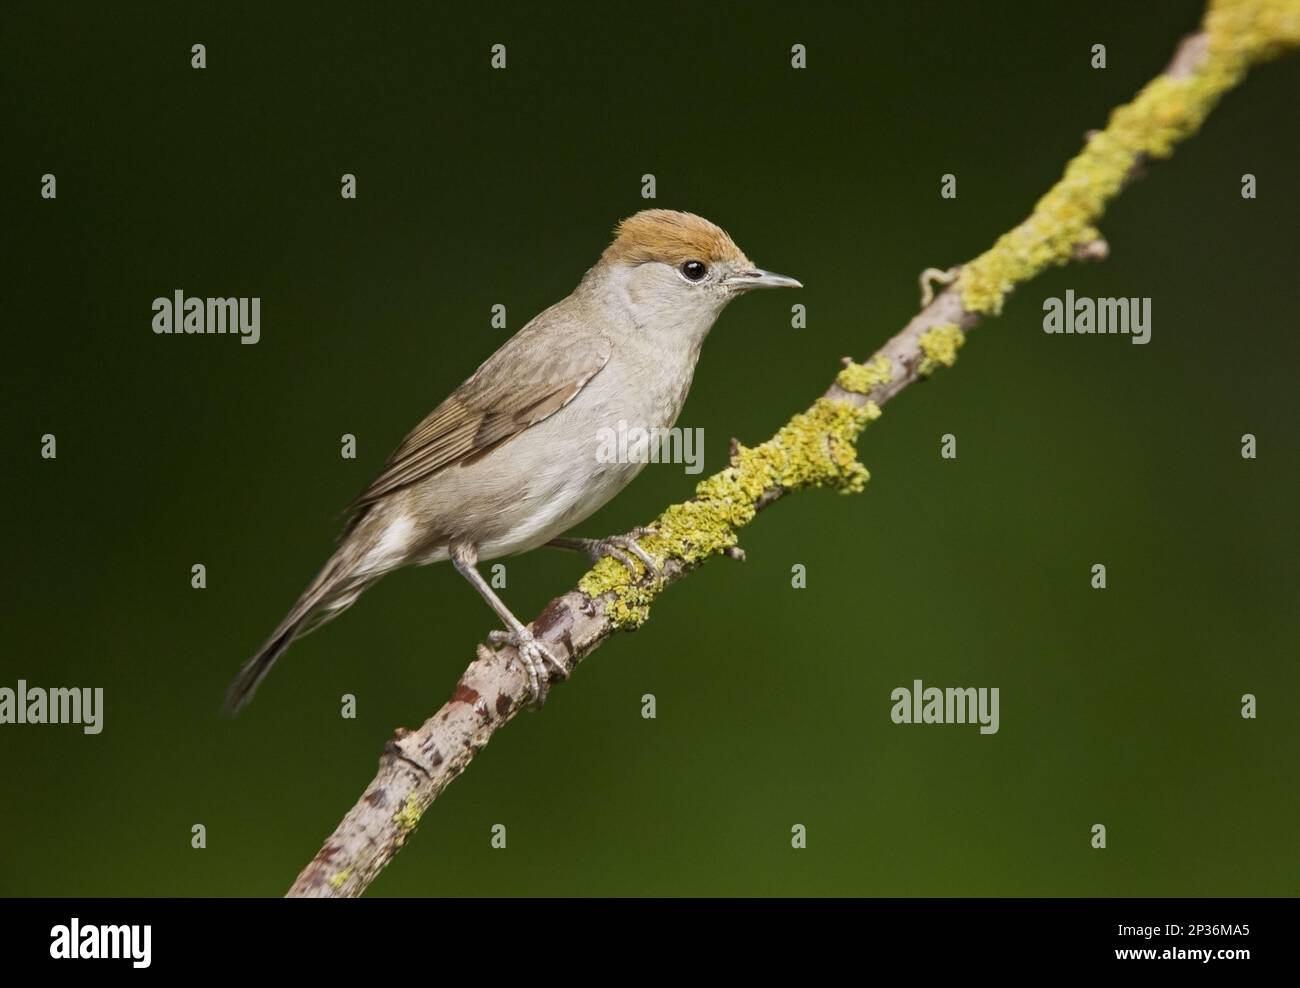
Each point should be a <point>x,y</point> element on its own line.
<point>816,448</point>
<point>1171,108</point>
<point>939,345</point>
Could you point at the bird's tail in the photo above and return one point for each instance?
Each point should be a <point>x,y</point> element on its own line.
<point>333,590</point>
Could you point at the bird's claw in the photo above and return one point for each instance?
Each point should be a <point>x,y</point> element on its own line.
<point>616,547</point>
<point>619,545</point>
<point>534,655</point>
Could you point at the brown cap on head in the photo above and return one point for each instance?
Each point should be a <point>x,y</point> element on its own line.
<point>672,237</point>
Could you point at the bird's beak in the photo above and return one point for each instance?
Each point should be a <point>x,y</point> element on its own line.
<point>756,278</point>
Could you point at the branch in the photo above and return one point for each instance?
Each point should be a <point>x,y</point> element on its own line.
<point>814,449</point>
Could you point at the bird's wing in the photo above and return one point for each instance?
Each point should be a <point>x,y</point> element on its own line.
<point>524,382</point>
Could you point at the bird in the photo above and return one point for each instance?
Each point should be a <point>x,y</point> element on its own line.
<point>509,461</point>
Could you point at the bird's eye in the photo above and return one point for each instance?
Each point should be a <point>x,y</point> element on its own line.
<point>694,270</point>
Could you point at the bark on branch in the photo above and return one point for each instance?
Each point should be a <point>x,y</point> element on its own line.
<point>814,449</point>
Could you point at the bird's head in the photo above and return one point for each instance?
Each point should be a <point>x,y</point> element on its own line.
<point>678,268</point>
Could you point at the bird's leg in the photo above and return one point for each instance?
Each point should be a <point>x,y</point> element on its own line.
<point>533,653</point>
<point>614,546</point>
<point>593,549</point>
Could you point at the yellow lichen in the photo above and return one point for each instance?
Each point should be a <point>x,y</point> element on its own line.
<point>338,878</point>
<point>814,449</point>
<point>409,815</point>
<point>939,345</point>
<point>1168,110</point>
<point>862,378</point>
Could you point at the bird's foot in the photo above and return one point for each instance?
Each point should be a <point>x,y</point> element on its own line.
<point>616,547</point>
<point>534,656</point>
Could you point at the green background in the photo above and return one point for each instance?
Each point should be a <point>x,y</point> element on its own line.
<point>477,187</point>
